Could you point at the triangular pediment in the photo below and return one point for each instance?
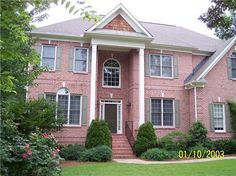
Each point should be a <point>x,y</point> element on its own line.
<point>120,19</point>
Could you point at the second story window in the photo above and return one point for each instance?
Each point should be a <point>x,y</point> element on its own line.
<point>80,60</point>
<point>161,65</point>
<point>48,56</point>
<point>233,64</point>
<point>111,73</point>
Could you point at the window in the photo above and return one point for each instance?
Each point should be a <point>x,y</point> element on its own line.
<point>48,56</point>
<point>161,65</point>
<point>69,105</point>
<point>111,74</point>
<point>162,112</point>
<point>219,117</point>
<point>233,63</point>
<point>80,62</point>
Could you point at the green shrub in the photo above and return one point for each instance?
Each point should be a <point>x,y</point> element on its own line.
<point>228,146</point>
<point>232,108</point>
<point>197,134</point>
<point>146,138</point>
<point>32,114</point>
<point>175,140</point>
<point>100,153</point>
<point>98,134</point>
<point>34,154</point>
<point>157,154</point>
<point>198,151</point>
<point>72,152</point>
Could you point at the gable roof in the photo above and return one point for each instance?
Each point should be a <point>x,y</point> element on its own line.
<point>128,17</point>
<point>167,35</point>
<point>204,67</point>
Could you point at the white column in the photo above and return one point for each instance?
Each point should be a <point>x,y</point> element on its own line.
<point>93,83</point>
<point>141,87</point>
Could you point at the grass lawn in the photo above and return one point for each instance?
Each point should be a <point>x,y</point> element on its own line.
<point>212,168</point>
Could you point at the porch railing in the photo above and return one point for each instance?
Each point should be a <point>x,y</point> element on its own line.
<point>129,133</point>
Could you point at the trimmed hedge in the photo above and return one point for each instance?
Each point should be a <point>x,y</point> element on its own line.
<point>98,134</point>
<point>228,146</point>
<point>99,154</point>
<point>157,154</point>
<point>72,152</point>
<point>175,140</point>
<point>146,138</point>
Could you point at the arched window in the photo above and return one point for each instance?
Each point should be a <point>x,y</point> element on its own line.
<point>68,104</point>
<point>111,73</point>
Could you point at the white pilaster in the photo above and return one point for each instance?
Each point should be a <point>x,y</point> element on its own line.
<point>141,87</point>
<point>93,83</point>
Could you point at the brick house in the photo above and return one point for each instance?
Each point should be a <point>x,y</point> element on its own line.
<point>127,72</point>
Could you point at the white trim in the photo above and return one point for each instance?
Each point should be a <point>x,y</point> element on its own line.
<point>141,87</point>
<point>111,67</point>
<point>113,42</point>
<point>55,56</point>
<point>208,69</point>
<point>86,71</point>
<point>93,82</point>
<point>224,122</point>
<point>120,8</point>
<point>172,66</point>
<point>103,103</point>
<point>162,121</point>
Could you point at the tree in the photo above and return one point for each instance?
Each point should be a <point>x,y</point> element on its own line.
<point>16,44</point>
<point>221,16</point>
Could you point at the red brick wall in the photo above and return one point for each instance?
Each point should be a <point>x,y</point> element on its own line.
<point>75,82</point>
<point>218,85</point>
<point>119,24</point>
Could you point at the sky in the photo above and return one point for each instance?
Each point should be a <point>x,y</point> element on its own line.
<point>182,13</point>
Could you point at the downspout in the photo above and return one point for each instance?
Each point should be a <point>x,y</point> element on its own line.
<point>195,103</point>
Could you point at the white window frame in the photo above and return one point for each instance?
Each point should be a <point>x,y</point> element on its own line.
<point>103,67</point>
<point>119,104</point>
<point>224,123</point>
<point>86,71</point>
<point>67,124</point>
<point>172,66</point>
<point>162,122</point>
<point>232,57</point>
<point>55,55</point>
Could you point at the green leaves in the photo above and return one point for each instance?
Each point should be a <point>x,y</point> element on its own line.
<point>221,16</point>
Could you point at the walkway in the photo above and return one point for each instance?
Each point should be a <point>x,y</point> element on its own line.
<point>139,161</point>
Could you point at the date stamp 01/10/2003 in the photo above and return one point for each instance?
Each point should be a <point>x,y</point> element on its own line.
<point>201,154</point>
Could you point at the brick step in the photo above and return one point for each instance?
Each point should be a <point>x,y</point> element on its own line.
<point>121,146</point>
<point>123,156</point>
<point>122,149</point>
<point>120,143</point>
<point>128,154</point>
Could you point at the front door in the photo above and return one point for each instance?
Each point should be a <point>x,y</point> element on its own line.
<point>111,112</point>
<point>111,117</point>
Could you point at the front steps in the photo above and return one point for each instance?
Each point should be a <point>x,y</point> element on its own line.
<point>121,147</point>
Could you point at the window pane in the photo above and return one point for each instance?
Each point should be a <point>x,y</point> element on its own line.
<point>155,65</point>
<point>49,51</point>
<point>63,105</point>
<point>233,73</point>
<point>233,60</point>
<point>80,59</point>
<point>74,110</point>
<point>168,113</point>
<point>111,74</point>
<point>80,65</point>
<point>166,66</point>
<point>48,62</point>
<point>51,97</point>
<point>218,114</point>
<point>156,112</point>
